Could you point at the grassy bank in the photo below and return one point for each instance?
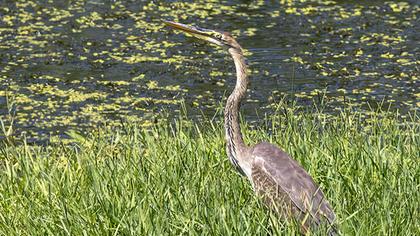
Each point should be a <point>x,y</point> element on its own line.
<point>175,179</point>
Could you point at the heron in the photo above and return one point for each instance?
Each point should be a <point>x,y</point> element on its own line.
<point>282,183</point>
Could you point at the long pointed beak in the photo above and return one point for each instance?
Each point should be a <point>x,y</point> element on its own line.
<point>203,34</point>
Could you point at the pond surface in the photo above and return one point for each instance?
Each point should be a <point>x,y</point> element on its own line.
<point>71,65</point>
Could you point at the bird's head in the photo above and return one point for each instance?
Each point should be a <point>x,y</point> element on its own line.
<point>219,38</point>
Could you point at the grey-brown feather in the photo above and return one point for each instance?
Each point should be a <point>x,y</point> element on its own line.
<point>286,187</point>
<point>283,183</point>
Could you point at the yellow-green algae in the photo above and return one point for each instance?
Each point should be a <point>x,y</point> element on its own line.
<point>74,65</point>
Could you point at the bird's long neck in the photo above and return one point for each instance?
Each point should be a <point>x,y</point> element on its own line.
<point>235,143</point>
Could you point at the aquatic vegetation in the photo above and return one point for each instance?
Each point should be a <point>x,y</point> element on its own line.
<point>68,68</point>
<point>78,64</point>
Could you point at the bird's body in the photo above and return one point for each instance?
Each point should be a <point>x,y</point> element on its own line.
<point>282,183</point>
<point>288,188</point>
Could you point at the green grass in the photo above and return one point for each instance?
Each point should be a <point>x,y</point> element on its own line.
<point>176,179</point>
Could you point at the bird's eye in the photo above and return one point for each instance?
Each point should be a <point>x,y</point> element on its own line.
<point>219,36</point>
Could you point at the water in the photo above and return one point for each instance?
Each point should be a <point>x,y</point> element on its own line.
<point>68,65</point>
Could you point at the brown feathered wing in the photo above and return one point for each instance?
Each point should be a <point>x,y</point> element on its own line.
<point>287,188</point>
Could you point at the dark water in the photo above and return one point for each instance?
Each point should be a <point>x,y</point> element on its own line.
<point>76,64</point>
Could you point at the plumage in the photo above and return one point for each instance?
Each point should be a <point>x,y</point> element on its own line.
<point>286,187</point>
<point>282,183</point>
